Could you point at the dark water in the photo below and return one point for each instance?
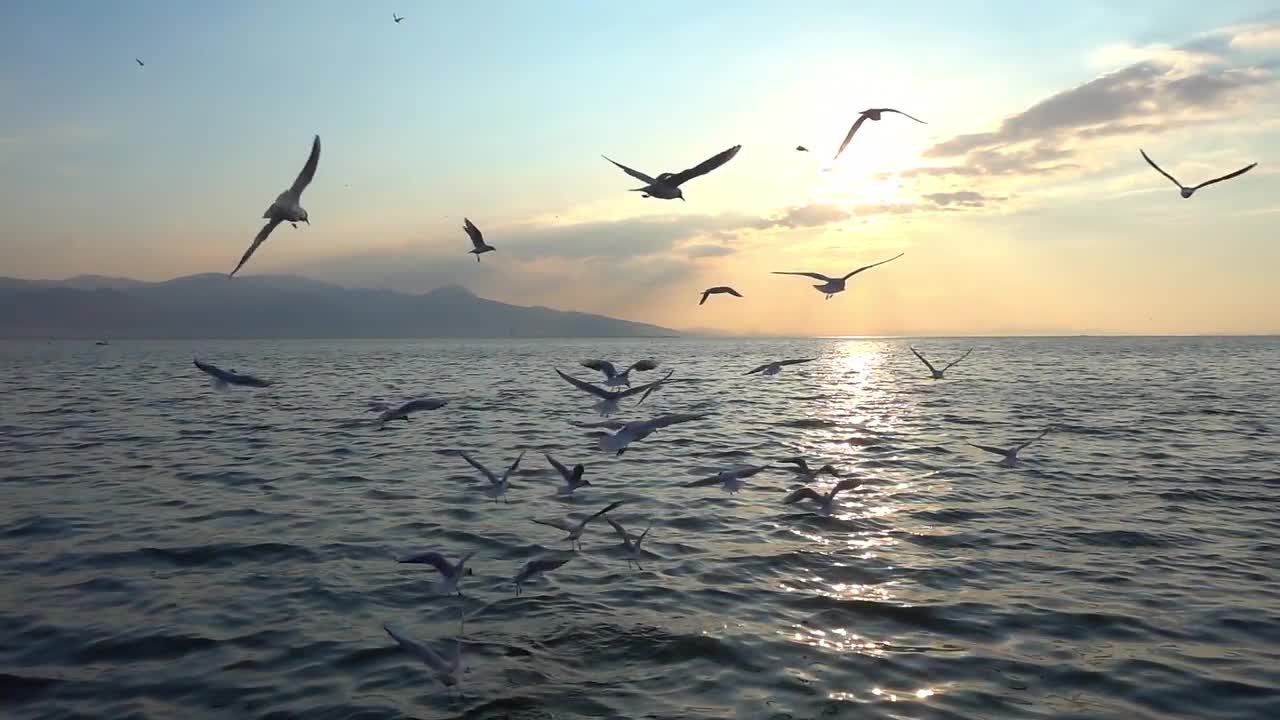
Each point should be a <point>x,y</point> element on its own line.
<point>171,551</point>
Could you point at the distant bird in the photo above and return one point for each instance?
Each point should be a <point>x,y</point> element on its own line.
<point>729,481</point>
<point>937,374</point>
<point>402,412</point>
<point>639,430</point>
<point>803,470</point>
<point>575,529</point>
<point>498,485</point>
<point>480,247</point>
<point>1187,191</point>
<point>631,542</point>
<point>1010,455</point>
<point>826,501</point>
<point>613,378</point>
<point>287,207</point>
<point>667,185</point>
<point>450,574</point>
<point>223,378</point>
<point>831,285</point>
<point>102,342</point>
<point>140,63</point>
<point>874,116</point>
<point>609,398</point>
<point>573,479</point>
<point>535,569</point>
<point>397,18</point>
<point>718,290</point>
<point>775,367</point>
<point>445,667</point>
<point>801,148</point>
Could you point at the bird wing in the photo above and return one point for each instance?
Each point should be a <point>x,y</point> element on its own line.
<point>713,480</point>
<point>1237,173</point>
<point>923,360</point>
<point>645,388</point>
<point>603,366</point>
<point>904,115</point>
<point>621,531</point>
<point>602,511</point>
<point>856,124</point>
<point>868,267</point>
<point>477,238</point>
<point>796,361</point>
<point>213,370</point>
<point>654,386</point>
<point>957,360</point>
<point>799,462</point>
<point>430,557</point>
<point>1034,439</point>
<point>258,239</point>
<point>800,494</point>
<point>557,524</point>
<point>644,365</point>
<point>418,650</point>
<point>746,472</point>
<point>478,466</point>
<point>633,173</point>
<point>1160,170</point>
<point>512,467</point>
<point>990,449</point>
<point>705,293</point>
<point>755,370</point>
<point>815,276</point>
<point>308,170</point>
<point>422,404</point>
<point>559,466</point>
<point>586,386</point>
<point>702,168</point>
<point>668,420</point>
<point>844,485</point>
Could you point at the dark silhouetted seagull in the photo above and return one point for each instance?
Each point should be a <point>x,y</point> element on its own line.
<point>775,367</point>
<point>477,239</point>
<point>614,378</point>
<point>631,543</point>
<point>450,573</point>
<point>609,398</point>
<point>937,374</point>
<point>572,478</point>
<point>223,378</point>
<point>140,63</point>
<point>803,470</point>
<point>874,116</point>
<point>445,667</point>
<point>575,529</point>
<point>1010,455</point>
<point>831,285</point>
<point>397,18</point>
<point>402,412</point>
<point>718,290</point>
<point>1188,191</point>
<point>287,207</point>
<point>801,148</point>
<point>667,185</point>
<point>729,481</point>
<point>826,501</point>
<point>535,569</point>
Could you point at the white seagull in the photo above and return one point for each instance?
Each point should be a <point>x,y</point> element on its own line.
<point>223,378</point>
<point>873,115</point>
<point>803,470</point>
<point>498,485</point>
<point>445,667</point>
<point>609,398</point>
<point>450,574</point>
<point>729,481</point>
<point>535,569</point>
<point>831,285</point>
<point>479,246</point>
<point>575,529</point>
<point>633,431</point>
<point>775,367</point>
<point>1187,191</point>
<point>287,207</point>
<point>937,374</point>
<point>573,479</point>
<point>402,413</point>
<point>1010,455</point>
<point>667,185</point>
<point>718,290</point>
<point>631,542</point>
<point>826,501</point>
<point>614,378</point>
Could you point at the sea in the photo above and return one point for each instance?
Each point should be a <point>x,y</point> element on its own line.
<point>169,549</point>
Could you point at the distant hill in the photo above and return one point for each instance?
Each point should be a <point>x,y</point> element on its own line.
<point>258,306</point>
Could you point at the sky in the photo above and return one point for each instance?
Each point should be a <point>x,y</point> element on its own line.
<point>1022,207</point>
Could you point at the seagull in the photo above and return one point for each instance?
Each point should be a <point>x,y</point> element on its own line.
<point>477,239</point>
<point>1010,455</point>
<point>402,412</point>
<point>575,529</point>
<point>803,470</point>
<point>874,116</point>
<point>223,378</point>
<point>450,574</point>
<point>446,669</point>
<point>775,367</point>
<point>667,185</point>
<point>729,481</point>
<point>499,485</point>
<point>572,478</point>
<point>535,569</point>
<point>640,430</point>
<point>287,207</point>
<point>1187,191</point>
<point>832,285</point>
<point>937,374</point>
<point>718,290</point>
<point>397,18</point>
<point>609,398</point>
<point>631,542</point>
<point>140,63</point>
<point>801,148</point>
<point>613,378</point>
<point>825,502</point>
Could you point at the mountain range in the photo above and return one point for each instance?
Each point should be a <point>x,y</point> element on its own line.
<point>276,306</point>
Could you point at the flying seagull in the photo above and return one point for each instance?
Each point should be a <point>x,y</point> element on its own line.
<point>638,430</point>
<point>223,378</point>
<point>397,18</point>
<point>801,148</point>
<point>631,542</point>
<point>613,378</point>
<point>1010,455</point>
<point>444,667</point>
<point>403,412</point>
<point>775,367</point>
<point>140,63</point>
<point>479,246</point>
<point>575,529</point>
<point>937,374</point>
<point>287,207</point>
<point>1187,191</point>
<point>450,574</point>
<point>729,481</point>
<point>718,290</point>
<point>873,115</point>
<point>831,285</point>
<point>572,478</point>
<point>826,502</point>
<point>609,398</point>
<point>667,185</point>
<point>498,485</point>
<point>803,470</point>
<point>535,569</point>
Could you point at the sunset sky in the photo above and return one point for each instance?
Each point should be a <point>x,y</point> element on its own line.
<point>1022,207</point>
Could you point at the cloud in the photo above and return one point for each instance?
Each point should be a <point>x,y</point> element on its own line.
<point>633,237</point>
<point>1255,37</point>
<point>701,251</point>
<point>964,198</point>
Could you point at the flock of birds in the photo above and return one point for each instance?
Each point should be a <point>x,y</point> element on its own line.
<point>446,663</point>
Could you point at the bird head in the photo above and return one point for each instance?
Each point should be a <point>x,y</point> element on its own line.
<point>469,571</point>
<point>578,470</point>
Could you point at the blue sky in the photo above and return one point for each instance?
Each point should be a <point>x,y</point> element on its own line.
<point>500,111</point>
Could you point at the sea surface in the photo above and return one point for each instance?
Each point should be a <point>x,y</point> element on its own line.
<point>169,550</point>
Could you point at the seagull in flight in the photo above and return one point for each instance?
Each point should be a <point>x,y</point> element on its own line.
<point>873,115</point>
<point>718,290</point>
<point>826,502</point>
<point>575,529</point>
<point>223,378</point>
<point>609,398</point>
<point>937,374</point>
<point>450,573</point>
<point>801,148</point>
<point>631,543</point>
<point>480,247</point>
<point>1010,455</point>
<point>287,207</point>
<point>498,485</point>
<point>803,470</point>
<point>639,430</point>
<point>775,367</point>
<point>729,481</point>
<point>1187,191</point>
<point>140,63</point>
<point>397,18</point>
<point>573,479</point>
<point>445,667</point>
<point>613,378</point>
<point>536,568</point>
<point>402,413</point>
<point>831,285</point>
<point>667,185</point>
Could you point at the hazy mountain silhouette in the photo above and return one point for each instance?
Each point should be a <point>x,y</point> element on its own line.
<point>264,306</point>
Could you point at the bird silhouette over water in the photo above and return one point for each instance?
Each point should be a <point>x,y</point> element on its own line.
<point>667,185</point>
<point>1189,191</point>
<point>830,286</point>
<point>873,115</point>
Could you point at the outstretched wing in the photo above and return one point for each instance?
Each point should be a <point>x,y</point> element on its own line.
<point>957,360</point>
<point>644,365</point>
<point>856,124</point>
<point>844,485</point>
<point>559,466</point>
<point>633,173</point>
<point>602,511</point>
<point>868,267</point>
<point>478,466</point>
<point>512,468</point>
<point>603,366</point>
<point>1035,439</point>
<point>704,482</point>
<point>1160,170</point>
<point>815,276</point>
<point>214,371</point>
<point>650,387</point>
<point>308,170</point>
<point>796,361</point>
<point>258,239</point>
<point>418,650</point>
<point>645,388</point>
<point>586,386</point>
<point>621,531</point>
<point>755,370</point>
<point>430,557</point>
<point>702,168</point>
<point>477,237</point>
<point>705,293</point>
<point>926,362</point>
<point>1237,173</point>
<point>673,419</point>
<point>804,493</point>
<point>557,524</point>
<point>989,448</point>
<point>904,115</point>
